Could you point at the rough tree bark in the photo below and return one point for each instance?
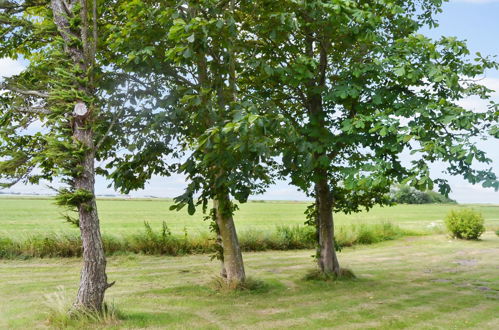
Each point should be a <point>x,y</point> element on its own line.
<point>93,278</point>
<point>223,271</point>
<point>327,259</point>
<point>232,256</point>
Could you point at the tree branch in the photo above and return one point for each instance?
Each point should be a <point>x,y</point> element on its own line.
<point>4,185</point>
<point>28,92</point>
<point>35,110</point>
<point>110,128</point>
<point>11,7</point>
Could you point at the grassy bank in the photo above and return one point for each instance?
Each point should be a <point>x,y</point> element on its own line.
<point>20,217</point>
<point>414,283</point>
<point>164,242</point>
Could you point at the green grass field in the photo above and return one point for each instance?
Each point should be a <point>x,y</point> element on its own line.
<point>427,282</point>
<point>414,282</point>
<point>22,216</point>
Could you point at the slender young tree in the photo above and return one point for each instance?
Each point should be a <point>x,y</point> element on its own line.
<point>361,87</point>
<point>52,122</point>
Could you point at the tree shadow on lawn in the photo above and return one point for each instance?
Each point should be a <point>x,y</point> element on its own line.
<point>200,305</point>
<point>159,318</point>
<point>211,288</point>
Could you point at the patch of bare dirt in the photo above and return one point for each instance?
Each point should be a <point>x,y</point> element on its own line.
<point>441,280</point>
<point>466,262</point>
<point>270,311</point>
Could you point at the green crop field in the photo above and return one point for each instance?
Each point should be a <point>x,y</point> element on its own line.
<point>427,282</point>
<point>21,216</point>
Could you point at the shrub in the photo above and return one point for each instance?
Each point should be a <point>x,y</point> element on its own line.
<point>465,224</point>
<point>408,195</point>
<point>438,198</point>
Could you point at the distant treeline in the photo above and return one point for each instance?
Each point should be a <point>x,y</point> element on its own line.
<point>407,195</point>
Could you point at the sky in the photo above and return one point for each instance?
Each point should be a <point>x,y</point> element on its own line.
<point>473,20</point>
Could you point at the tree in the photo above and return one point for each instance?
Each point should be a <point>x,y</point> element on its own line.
<point>361,86</point>
<point>408,195</point>
<point>200,58</point>
<point>51,115</point>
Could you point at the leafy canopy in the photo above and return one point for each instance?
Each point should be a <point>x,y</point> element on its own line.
<point>361,87</point>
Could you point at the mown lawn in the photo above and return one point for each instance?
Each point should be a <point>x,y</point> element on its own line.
<point>418,282</point>
<point>22,216</point>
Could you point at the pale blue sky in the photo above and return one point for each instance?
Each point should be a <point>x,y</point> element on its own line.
<point>474,20</point>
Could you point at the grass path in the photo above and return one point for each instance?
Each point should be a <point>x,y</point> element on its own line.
<point>417,282</point>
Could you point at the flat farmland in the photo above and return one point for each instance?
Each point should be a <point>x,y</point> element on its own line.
<point>21,216</point>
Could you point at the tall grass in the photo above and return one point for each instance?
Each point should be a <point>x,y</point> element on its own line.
<point>163,242</point>
<point>61,315</point>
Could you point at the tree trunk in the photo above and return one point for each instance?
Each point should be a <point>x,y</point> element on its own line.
<point>223,272</point>
<point>327,259</point>
<point>93,279</point>
<point>326,256</point>
<point>232,257</point>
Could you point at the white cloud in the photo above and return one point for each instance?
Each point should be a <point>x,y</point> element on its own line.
<point>478,105</point>
<point>10,67</point>
<point>492,83</point>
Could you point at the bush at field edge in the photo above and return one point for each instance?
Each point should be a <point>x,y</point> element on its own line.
<point>465,224</point>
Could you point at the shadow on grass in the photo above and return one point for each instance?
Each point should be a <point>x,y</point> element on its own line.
<point>345,274</point>
<point>144,319</point>
<point>219,286</point>
<point>193,290</point>
<point>223,286</point>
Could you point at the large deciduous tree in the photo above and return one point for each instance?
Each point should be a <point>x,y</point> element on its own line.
<point>197,51</point>
<point>362,87</point>
<point>52,118</point>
